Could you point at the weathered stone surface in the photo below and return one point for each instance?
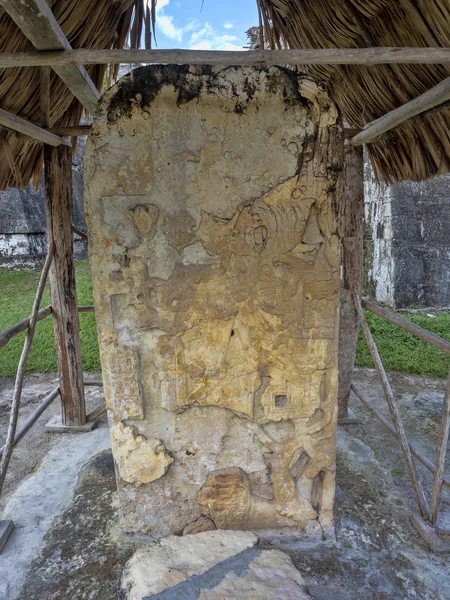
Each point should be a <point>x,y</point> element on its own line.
<point>407,241</point>
<point>174,559</point>
<point>211,203</point>
<point>270,576</point>
<point>23,239</point>
<point>200,525</point>
<point>139,460</point>
<point>211,566</point>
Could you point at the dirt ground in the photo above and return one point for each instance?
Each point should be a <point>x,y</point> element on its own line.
<point>378,555</point>
<point>29,453</point>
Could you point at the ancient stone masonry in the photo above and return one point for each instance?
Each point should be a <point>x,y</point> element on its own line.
<point>211,206</point>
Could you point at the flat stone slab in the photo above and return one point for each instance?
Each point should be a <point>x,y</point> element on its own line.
<point>56,425</point>
<point>350,419</point>
<point>211,565</point>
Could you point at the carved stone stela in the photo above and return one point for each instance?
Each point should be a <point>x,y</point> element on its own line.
<point>211,203</point>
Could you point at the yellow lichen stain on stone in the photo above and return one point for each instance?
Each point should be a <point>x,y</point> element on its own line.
<point>138,459</point>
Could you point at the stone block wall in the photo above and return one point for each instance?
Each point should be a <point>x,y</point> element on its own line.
<point>211,201</point>
<point>408,241</point>
<point>23,239</point>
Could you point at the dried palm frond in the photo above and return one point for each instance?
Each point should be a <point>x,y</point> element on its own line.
<point>419,148</point>
<point>86,24</point>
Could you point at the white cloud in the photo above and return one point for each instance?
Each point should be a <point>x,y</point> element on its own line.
<point>203,36</point>
<point>165,22</point>
<point>161,4</point>
<point>233,47</point>
<point>205,45</point>
<point>205,32</point>
<point>207,38</point>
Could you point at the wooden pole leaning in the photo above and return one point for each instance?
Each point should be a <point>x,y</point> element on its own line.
<point>15,405</point>
<point>7,335</point>
<point>391,317</point>
<point>438,478</point>
<point>415,451</point>
<point>25,428</point>
<point>58,187</point>
<point>395,413</point>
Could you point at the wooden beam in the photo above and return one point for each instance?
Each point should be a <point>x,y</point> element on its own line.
<point>78,130</point>
<point>58,187</point>
<point>25,428</point>
<point>434,97</point>
<point>14,330</point>
<point>321,56</point>
<point>79,233</point>
<point>348,132</point>
<point>6,529</point>
<point>30,129</point>
<point>423,334</point>
<point>36,20</point>
<point>86,309</point>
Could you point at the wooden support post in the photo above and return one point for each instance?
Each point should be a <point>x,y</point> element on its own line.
<point>395,414</point>
<point>58,187</point>
<point>351,222</point>
<point>440,458</point>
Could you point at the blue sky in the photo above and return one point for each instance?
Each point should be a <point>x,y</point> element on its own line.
<point>218,25</point>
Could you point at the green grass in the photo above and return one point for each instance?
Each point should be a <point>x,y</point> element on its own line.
<point>397,473</point>
<point>399,350</point>
<point>17,291</point>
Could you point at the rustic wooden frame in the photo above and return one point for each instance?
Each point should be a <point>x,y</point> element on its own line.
<point>37,22</point>
<point>428,521</point>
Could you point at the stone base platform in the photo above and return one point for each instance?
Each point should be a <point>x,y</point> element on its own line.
<point>55,425</point>
<point>439,541</point>
<point>350,419</point>
<point>211,565</point>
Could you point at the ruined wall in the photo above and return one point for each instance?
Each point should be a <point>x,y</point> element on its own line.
<point>408,241</point>
<point>23,239</point>
<point>378,253</point>
<point>211,201</point>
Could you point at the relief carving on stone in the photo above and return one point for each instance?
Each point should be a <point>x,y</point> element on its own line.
<point>217,289</point>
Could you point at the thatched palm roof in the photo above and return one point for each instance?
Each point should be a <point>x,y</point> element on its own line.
<point>418,149</point>
<point>86,24</point>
